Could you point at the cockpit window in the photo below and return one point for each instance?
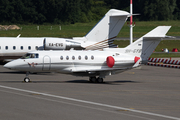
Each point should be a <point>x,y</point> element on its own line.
<point>30,55</point>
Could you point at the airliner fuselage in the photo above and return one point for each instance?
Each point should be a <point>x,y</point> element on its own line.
<point>74,61</point>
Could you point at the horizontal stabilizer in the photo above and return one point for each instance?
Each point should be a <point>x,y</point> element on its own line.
<point>144,46</point>
<point>159,31</point>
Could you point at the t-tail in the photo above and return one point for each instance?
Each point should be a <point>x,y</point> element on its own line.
<point>105,31</point>
<point>144,46</point>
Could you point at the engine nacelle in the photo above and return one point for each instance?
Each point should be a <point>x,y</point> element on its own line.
<point>60,44</point>
<point>110,61</point>
<point>117,60</point>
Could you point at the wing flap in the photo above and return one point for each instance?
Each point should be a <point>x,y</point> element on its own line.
<point>94,69</point>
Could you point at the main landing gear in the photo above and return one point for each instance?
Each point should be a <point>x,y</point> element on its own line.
<point>26,79</point>
<point>96,80</point>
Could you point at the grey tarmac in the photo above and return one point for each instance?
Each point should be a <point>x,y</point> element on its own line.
<point>149,93</point>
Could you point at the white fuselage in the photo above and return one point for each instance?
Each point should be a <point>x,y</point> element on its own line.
<point>13,48</point>
<point>73,62</point>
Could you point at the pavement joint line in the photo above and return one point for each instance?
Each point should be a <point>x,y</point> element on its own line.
<point>81,105</point>
<point>89,102</point>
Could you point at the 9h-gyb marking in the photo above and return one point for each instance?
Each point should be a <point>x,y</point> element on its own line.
<point>133,50</point>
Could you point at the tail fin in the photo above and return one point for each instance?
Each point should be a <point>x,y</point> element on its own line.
<point>106,30</point>
<point>144,46</point>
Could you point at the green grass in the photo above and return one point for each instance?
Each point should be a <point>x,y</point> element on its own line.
<point>81,29</point>
<point>170,44</point>
<point>142,28</point>
<point>165,55</point>
<point>67,31</point>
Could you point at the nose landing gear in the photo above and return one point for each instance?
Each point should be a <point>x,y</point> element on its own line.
<point>26,79</point>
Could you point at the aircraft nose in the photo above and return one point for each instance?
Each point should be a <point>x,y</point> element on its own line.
<point>9,65</point>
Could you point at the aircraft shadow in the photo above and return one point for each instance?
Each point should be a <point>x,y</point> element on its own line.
<point>105,82</point>
<point>75,81</point>
<point>117,82</point>
<point>17,72</point>
<point>12,73</point>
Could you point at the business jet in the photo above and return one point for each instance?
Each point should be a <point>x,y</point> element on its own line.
<point>101,36</point>
<point>95,64</point>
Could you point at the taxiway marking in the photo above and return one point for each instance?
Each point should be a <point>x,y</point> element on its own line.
<point>89,102</point>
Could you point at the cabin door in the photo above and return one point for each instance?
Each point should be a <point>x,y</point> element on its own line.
<point>46,63</point>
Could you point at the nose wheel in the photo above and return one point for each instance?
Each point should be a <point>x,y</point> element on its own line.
<point>96,80</point>
<point>26,79</point>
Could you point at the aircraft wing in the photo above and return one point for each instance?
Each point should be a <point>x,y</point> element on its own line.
<point>94,69</point>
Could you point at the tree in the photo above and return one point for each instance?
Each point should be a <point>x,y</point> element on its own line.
<point>158,10</point>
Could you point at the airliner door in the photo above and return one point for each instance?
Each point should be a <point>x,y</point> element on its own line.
<point>46,63</point>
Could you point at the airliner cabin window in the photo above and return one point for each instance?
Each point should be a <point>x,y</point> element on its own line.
<point>6,47</point>
<point>73,57</point>
<point>29,47</point>
<point>14,47</point>
<point>21,47</point>
<point>36,47</point>
<point>92,57</point>
<point>67,57</point>
<point>0,47</point>
<point>61,57</point>
<point>86,57</point>
<point>30,55</point>
<point>79,57</point>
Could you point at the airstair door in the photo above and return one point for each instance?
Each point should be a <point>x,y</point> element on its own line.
<point>46,63</point>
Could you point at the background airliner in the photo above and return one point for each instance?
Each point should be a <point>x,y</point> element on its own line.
<point>101,36</point>
<point>94,64</point>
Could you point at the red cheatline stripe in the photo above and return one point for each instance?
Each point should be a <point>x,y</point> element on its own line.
<point>102,41</point>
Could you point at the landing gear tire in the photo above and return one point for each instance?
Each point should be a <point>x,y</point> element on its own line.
<point>92,79</point>
<point>99,80</point>
<point>26,79</point>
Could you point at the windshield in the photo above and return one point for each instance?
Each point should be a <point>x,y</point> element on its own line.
<point>30,55</point>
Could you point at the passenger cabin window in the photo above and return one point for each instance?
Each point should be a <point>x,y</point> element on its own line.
<point>61,57</point>
<point>79,57</point>
<point>6,47</point>
<point>86,57</point>
<point>0,47</point>
<point>30,55</point>
<point>21,47</point>
<point>67,57</point>
<point>29,47</point>
<point>73,57</point>
<point>36,47</point>
<point>92,57</point>
<point>14,47</point>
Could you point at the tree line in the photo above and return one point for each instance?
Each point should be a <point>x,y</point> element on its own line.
<point>72,11</point>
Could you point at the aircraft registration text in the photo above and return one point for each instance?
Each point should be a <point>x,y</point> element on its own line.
<point>133,51</point>
<point>56,44</point>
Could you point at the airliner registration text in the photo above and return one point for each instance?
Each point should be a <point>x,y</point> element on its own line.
<point>133,51</point>
<point>56,44</point>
